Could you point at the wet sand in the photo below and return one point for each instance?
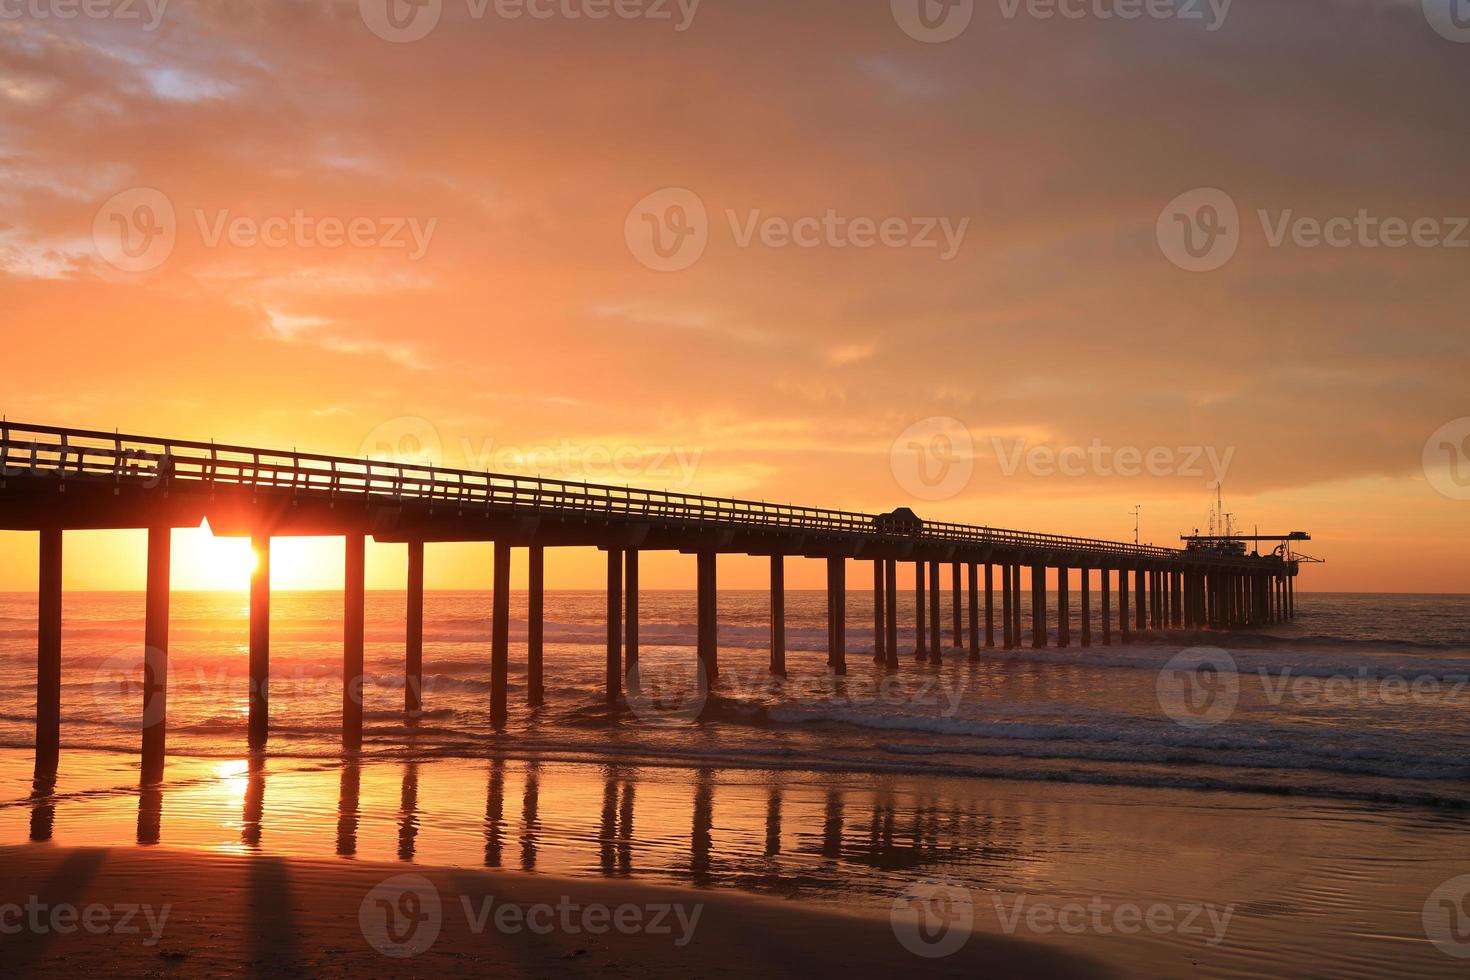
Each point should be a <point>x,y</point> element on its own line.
<point>233,914</point>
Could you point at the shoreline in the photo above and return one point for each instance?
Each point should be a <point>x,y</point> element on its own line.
<point>312,917</point>
<point>856,768</point>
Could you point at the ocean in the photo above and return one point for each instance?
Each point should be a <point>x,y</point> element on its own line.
<point>1315,775</point>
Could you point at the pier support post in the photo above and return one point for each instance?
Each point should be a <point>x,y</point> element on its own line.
<point>708,632</point>
<point>535,624</point>
<point>260,642</point>
<point>1140,611</point>
<point>890,619</point>
<point>1016,602</point>
<point>1123,604</point>
<point>354,571</point>
<point>1008,639</point>
<point>1291,597</point>
<point>778,615</point>
<point>1177,595</point>
<point>155,655</point>
<point>1107,605</point>
<point>1152,617</point>
<point>989,605</point>
<point>1038,606</point>
<point>879,608</point>
<point>630,607</point>
<point>837,614</point>
<point>1064,607</point>
<point>413,641</point>
<point>975,611</point>
<point>955,590</point>
<point>936,644</point>
<point>499,635</point>
<point>1086,607</point>
<point>921,652</point>
<point>614,624</point>
<point>48,654</point>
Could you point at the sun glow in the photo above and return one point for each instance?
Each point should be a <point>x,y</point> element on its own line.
<point>205,562</point>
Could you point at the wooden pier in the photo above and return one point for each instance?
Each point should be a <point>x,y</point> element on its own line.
<point>53,480</point>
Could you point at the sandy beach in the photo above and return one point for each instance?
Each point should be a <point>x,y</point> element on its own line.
<point>211,914</point>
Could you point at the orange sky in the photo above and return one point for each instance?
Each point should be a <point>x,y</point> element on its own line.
<point>524,330</point>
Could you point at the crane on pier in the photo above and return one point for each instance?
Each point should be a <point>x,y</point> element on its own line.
<point>1222,539</point>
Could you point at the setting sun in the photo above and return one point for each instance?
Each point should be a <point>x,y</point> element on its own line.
<point>205,562</point>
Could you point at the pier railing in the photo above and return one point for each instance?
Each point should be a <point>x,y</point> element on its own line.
<point>79,454</point>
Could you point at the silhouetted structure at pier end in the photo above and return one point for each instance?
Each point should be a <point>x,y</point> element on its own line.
<point>55,479</point>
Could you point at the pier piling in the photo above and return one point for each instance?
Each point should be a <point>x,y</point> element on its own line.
<point>989,605</point>
<point>413,641</point>
<point>975,611</point>
<point>500,635</point>
<point>535,624</point>
<point>354,571</point>
<point>614,624</point>
<point>630,610</point>
<point>1064,607</point>
<point>890,618</point>
<point>706,583</point>
<point>260,642</point>
<point>879,611</point>
<point>778,615</point>
<point>155,654</point>
<point>936,646</point>
<point>837,614</point>
<point>921,652</point>
<point>1086,607</point>
<point>1038,606</point>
